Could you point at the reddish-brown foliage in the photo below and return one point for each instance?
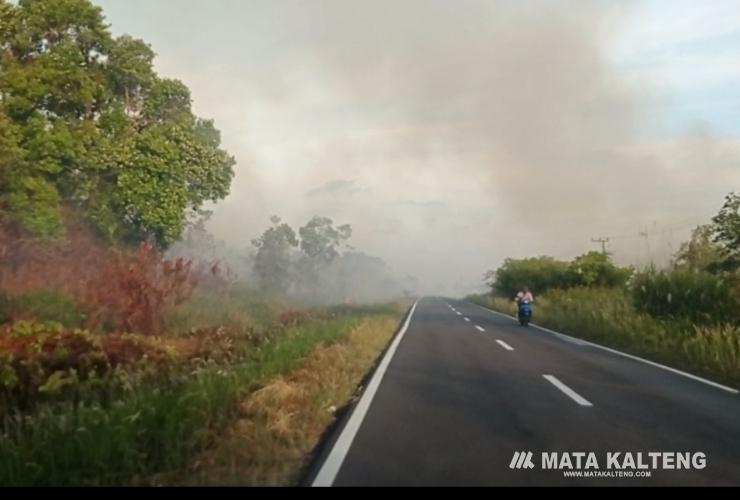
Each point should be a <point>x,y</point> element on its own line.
<point>35,352</point>
<point>122,290</point>
<point>214,343</point>
<point>29,265</point>
<point>63,349</point>
<point>133,291</point>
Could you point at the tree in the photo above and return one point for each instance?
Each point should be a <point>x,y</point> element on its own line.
<point>727,231</point>
<point>597,269</point>
<point>89,125</point>
<point>320,244</point>
<point>273,264</point>
<point>545,273</point>
<point>538,273</point>
<point>700,253</point>
<point>320,240</point>
<point>131,73</point>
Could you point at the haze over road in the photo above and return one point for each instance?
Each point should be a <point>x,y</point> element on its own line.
<point>425,123</point>
<point>464,388</point>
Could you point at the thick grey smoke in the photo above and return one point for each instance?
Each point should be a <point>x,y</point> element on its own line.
<point>449,134</point>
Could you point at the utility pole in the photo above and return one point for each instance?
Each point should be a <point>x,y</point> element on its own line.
<point>603,242</point>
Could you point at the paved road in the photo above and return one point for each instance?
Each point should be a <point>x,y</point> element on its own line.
<point>466,388</point>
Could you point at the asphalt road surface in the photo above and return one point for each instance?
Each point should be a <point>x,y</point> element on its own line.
<point>463,389</point>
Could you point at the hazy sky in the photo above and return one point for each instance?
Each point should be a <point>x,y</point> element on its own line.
<point>452,134</point>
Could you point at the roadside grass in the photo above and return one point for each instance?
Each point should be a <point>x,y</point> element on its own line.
<point>608,317</point>
<point>280,424</point>
<point>238,310</point>
<point>153,428</point>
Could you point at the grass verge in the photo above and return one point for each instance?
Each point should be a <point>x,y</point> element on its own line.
<point>280,424</point>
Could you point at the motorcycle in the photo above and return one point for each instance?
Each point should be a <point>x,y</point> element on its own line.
<point>525,312</point>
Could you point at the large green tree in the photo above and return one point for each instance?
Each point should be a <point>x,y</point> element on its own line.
<point>274,264</point>
<point>86,123</point>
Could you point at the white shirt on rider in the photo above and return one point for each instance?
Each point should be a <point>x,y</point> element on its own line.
<point>525,296</point>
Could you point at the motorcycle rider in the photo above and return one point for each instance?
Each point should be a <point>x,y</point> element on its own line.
<point>524,300</point>
<point>524,294</point>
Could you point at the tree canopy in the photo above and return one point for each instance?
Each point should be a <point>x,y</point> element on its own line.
<point>87,124</point>
<point>320,239</point>
<point>727,231</point>
<point>545,273</point>
<point>273,264</point>
<point>700,253</point>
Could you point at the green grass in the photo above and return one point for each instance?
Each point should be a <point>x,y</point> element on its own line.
<point>152,429</point>
<point>43,306</point>
<point>239,310</point>
<point>608,317</point>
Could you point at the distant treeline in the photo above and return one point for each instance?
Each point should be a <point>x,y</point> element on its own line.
<point>316,265</point>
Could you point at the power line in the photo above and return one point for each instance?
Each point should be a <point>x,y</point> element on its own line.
<point>668,230</point>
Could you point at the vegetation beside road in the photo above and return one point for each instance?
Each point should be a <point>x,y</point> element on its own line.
<point>80,409</point>
<point>686,315</point>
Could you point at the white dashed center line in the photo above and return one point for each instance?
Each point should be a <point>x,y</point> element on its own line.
<point>567,391</point>
<point>505,345</point>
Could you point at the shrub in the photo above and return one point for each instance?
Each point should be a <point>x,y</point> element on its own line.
<point>45,361</point>
<point>716,348</point>
<point>42,361</point>
<point>698,296</point>
<point>597,269</point>
<point>593,269</point>
<point>134,291</point>
<point>28,266</point>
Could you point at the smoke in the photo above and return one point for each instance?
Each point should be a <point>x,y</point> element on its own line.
<point>521,98</point>
<point>449,134</point>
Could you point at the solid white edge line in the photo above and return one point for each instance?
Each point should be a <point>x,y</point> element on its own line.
<point>574,340</point>
<point>480,328</point>
<point>504,345</point>
<point>330,468</point>
<point>567,391</point>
